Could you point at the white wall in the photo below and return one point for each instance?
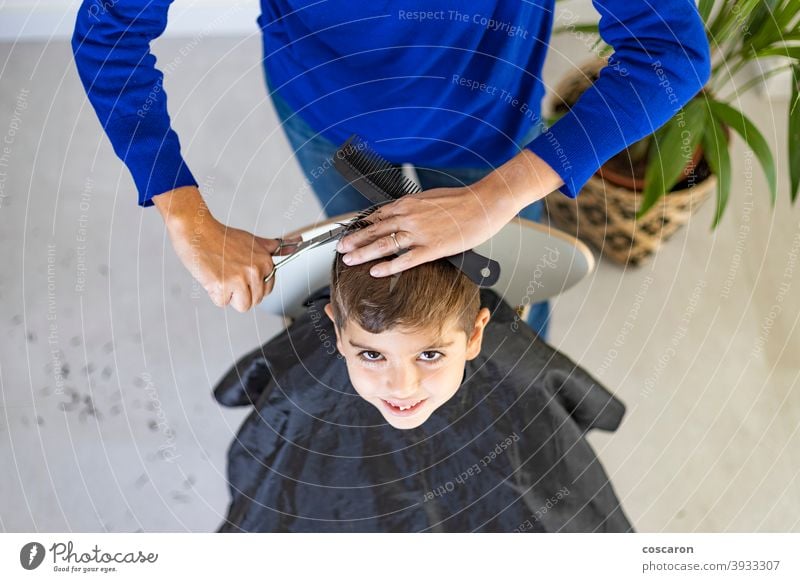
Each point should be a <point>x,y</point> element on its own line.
<point>54,19</point>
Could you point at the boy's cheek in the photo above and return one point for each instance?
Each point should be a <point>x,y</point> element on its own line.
<point>355,378</point>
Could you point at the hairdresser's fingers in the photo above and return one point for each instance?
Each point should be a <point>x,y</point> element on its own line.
<point>408,260</point>
<point>269,285</point>
<point>258,289</point>
<point>356,243</point>
<point>262,268</point>
<point>380,247</point>
<point>241,300</point>
<point>269,245</point>
<point>217,296</point>
<point>383,219</point>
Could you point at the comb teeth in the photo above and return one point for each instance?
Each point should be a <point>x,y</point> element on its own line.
<point>382,183</point>
<point>377,170</point>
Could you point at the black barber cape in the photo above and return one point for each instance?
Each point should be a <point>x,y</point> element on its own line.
<point>506,453</point>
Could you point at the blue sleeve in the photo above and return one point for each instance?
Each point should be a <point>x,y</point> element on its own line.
<point>111,44</point>
<point>661,60</point>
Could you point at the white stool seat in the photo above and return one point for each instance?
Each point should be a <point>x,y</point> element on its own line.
<point>537,262</point>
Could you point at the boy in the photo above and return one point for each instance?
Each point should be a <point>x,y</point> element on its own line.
<point>492,419</point>
<point>406,339</point>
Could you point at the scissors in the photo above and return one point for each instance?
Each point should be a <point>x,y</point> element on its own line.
<point>303,246</point>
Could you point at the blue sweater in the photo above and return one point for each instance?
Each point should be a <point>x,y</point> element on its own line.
<point>432,83</point>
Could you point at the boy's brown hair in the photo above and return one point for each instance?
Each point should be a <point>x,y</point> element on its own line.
<point>424,297</point>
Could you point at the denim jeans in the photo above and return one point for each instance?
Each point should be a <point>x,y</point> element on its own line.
<point>337,196</point>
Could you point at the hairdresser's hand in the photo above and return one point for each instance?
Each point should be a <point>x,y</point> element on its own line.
<point>229,263</point>
<point>446,221</point>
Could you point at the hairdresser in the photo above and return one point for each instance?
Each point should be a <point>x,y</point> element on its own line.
<point>453,88</point>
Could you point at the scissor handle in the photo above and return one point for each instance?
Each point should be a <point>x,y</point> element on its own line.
<point>282,243</point>
<point>302,247</point>
<point>271,273</point>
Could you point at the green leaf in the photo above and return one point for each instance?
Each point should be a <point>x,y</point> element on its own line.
<point>786,13</point>
<point>715,24</point>
<point>605,50</point>
<point>794,134</point>
<point>588,28</point>
<point>793,52</point>
<point>765,26</point>
<point>673,147</point>
<point>730,20</point>
<point>715,147</point>
<point>704,7</point>
<point>752,137</point>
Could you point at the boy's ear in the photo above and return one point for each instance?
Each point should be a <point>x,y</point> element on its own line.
<point>329,311</point>
<point>475,340</point>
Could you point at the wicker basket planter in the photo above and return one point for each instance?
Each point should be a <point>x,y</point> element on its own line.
<point>604,213</point>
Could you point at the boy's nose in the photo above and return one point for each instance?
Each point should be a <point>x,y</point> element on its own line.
<point>404,383</point>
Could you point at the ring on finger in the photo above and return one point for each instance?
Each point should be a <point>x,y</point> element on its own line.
<point>394,238</point>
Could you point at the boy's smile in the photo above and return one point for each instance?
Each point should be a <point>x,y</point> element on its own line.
<point>404,408</point>
<point>407,374</point>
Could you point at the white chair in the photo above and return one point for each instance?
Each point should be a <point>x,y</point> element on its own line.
<point>537,262</point>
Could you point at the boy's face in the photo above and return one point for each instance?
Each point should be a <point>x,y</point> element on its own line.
<point>408,375</point>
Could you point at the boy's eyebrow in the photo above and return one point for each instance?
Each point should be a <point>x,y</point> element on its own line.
<point>435,345</point>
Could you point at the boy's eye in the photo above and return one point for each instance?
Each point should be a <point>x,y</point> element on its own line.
<point>427,356</point>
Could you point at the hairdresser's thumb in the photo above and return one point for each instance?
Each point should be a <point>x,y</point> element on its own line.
<point>270,245</point>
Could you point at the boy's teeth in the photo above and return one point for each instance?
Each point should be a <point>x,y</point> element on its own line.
<point>409,406</point>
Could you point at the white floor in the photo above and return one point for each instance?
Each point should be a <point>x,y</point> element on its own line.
<point>131,438</point>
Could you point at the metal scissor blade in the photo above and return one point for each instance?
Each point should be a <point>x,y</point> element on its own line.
<point>318,240</point>
<point>321,238</point>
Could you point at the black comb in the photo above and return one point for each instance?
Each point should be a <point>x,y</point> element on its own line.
<point>381,183</point>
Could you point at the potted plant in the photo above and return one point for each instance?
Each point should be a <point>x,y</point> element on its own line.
<point>641,196</point>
